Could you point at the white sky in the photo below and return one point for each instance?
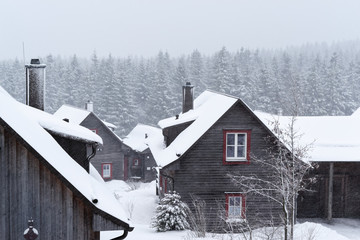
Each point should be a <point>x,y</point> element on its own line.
<point>143,27</point>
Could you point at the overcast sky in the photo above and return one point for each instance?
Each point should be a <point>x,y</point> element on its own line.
<point>143,27</point>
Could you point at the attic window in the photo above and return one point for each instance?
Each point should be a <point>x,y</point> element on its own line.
<point>94,131</point>
<point>236,146</point>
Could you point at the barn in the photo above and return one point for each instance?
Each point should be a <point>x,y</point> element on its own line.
<point>45,177</point>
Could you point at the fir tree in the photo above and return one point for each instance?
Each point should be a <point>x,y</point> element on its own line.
<point>171,214</point>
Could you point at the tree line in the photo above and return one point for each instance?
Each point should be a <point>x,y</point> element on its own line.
<point>319,79</point>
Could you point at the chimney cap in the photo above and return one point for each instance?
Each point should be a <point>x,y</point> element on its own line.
<point>188,84</point>
<point>35,63</point>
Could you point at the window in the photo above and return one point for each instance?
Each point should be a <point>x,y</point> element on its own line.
<point>106,170</point>
<point>94,131</point>
<point>236,146</point>
<point>136,162</point>
<point>235,206</point>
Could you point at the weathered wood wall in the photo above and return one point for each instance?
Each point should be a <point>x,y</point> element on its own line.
<point>111,151</point>
<point>201,171</point>
<point>30,190</point>
<point>346,192</point>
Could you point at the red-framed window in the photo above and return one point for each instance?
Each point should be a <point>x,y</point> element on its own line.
<point>236,149</point>
<point>235,206</point>
<point>136,162</point>
<point>94,131</point>
<point>106,170</point>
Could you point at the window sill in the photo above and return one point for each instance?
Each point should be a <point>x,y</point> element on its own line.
<point>236,161</point>
<point>235,220</point>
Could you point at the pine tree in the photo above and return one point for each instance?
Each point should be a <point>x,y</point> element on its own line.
<point>171,214</point>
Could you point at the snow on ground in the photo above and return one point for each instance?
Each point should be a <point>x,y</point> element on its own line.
<point>139,201</point>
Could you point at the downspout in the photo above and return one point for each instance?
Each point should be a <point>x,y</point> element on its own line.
<point>122,236</point>
<point>93,153</point>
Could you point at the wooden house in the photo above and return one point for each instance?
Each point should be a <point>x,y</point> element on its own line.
<point>335,149</point>
<point>214,136</point>
<point>40,180</point>
<point>109,159</point>
<point>140,161</point>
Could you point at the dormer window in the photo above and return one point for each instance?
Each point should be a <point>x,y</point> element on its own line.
<point>236,146</point>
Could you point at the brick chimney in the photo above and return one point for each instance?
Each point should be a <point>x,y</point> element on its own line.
<point>35,84</point>
<point>89,105</point>
<point>188,97</point>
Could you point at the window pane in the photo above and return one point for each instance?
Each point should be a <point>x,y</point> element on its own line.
<point>231,201</point>
<point>237,201</point>
<point>237,211</point>
<point>241,139</point>
<point>231,211</point>
<point>230,151</point>
<point>230,139</point>
<point>241,151</point>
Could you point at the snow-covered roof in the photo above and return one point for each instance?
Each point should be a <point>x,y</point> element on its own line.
<point>76,115</point>
<point>208,108</point>
<point>356,113</point>
<point>29,125</point>
<point>141,136</point>
<point>52,124</point>
<point>332,138</point>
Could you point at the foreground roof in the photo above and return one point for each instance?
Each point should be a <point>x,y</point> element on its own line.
<point>208,108</point>
<point>30,125</point>
<point>332,138</point>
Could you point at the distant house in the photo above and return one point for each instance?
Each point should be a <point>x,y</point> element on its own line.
<point>109,160</point>
<point>215,135</point>
<point>140,163</point>
<point>336,150</point>
<point>45,176</point>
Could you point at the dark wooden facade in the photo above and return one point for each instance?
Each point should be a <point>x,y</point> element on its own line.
<point>139,166</point>
<point>345,196</point>
<point>32,189</point>
<point>112,150</point>
<point>202,173</point>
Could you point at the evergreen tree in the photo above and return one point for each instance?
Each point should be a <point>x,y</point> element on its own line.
<point>171,214</point>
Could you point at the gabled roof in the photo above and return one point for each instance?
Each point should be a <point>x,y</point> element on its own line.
<point>142,136</point>
<point>356,113</point>
<point>332,138</point>
<point>76,115</point>
<point>48,122</point>
<point>28,124</point>
<point>208,108</point>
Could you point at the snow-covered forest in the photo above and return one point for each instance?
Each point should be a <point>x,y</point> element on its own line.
<point>318,78</point>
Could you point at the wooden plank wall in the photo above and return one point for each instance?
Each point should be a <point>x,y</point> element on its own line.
<point>346,196</point>
<point>111,150</point>
<point>30,190</point>
<point>202,172</point>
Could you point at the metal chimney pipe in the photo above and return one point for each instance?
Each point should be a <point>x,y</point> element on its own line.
<point>188,97</point>
<point>35,84</point>
<point>89,105</point>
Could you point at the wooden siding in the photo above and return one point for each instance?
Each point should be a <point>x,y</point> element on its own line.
<point>110,152</point>
<point>29,189</point>
<point>346,188</point>
<point>170,133</point>
<point>201,171</point>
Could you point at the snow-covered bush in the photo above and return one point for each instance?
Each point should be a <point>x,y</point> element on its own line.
<point>171,214</point>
